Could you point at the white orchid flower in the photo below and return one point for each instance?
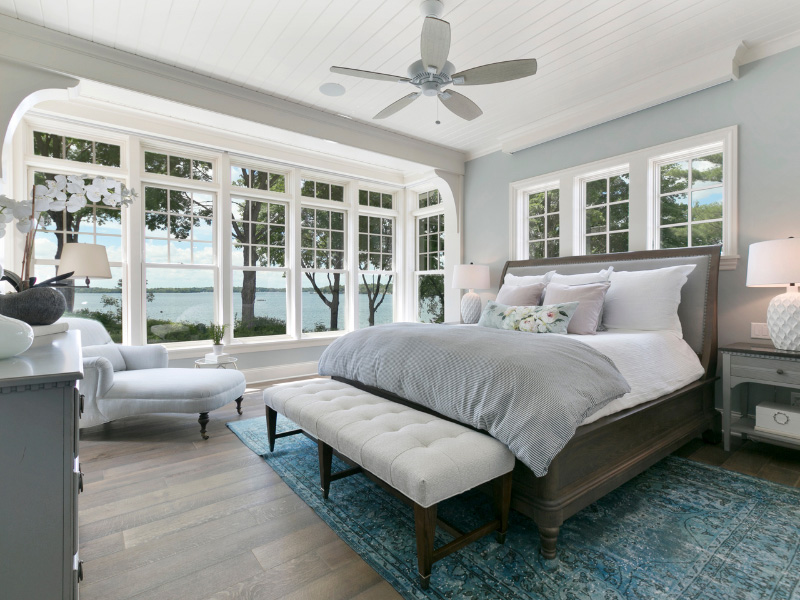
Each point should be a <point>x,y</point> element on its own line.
<point>60,182</point>
<point>58,205</point>
<point>102,183</point>
<point>22,210</point>
<point>93,194</point>
<point>40,191</point>
<point>25,225</point>
<point>60,196</point>
<point>75,188</point>
<point>78,179</point>
<point>6,217</point>
<point>75,203</point>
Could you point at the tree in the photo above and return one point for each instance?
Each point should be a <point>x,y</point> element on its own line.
<point>373,293</point>
<point>431,296</point>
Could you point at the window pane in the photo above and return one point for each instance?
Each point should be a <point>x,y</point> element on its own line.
<point>619,187</point>
<point>307,188</point>
<point>277,183</point>
<point>337,193</point>
<point>155,163</point>
<point>259,303</point>
<point>618,242</point>
<point>317,314</point>
<point>553,226</point>
<point>46,245</point>
<point>596,192</point>
<point>259,180</point>
<point>707,171</point>
<point>78,150</point>
<point>536,204</point>
<point>180,202</point>
<point>363,197</point>
<point>277,214</point>
<point>674,209</point>
<point>240,177</point>
<point>107,154</point>
<point>337,221</point>
<point>707,234</point>
<point>100,302</point>
<point>386,201</point>
<point>707,204</point>
<point>553,248</point>
<point>434,197</point>
<point>423,226</point>
<point>674,237</point>
<point>536,249</point>
<point>536,228</point>
<point>552,200</point>
<point>323,191</point>
<point>182,304</point>
<point>423,200</point>
<point>430,294</point>
<point>375,300</point>
<point>674,177</point>
<point>595,220</point>
<point>156,251</point>
<point>180,167</point>
<point>618,216</point>
<point>47,144</point>
<point>107,220</point>
<point>375,199</point>
<point>596,244</point>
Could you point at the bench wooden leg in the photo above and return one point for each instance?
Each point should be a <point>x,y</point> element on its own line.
<point>425,522</point>
<point>548,537</point>
<point>325,461</point>
<point>272,423</point>
<point>502,504</point>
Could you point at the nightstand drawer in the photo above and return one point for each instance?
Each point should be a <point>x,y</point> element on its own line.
<point>781,372</point>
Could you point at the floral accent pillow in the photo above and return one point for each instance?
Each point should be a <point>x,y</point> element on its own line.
<point>532,319</point>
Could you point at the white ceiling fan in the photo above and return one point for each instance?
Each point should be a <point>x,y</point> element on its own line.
<point>434,72</point>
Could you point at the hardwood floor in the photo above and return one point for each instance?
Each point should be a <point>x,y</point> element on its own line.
<point>168,515</point>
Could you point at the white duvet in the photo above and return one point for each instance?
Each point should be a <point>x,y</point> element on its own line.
<point>653,362</point>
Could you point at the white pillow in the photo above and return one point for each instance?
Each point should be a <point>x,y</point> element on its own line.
<point>527,279</point>
<point>582,278</point>
<point>520,295</point>
<point>646,300</point>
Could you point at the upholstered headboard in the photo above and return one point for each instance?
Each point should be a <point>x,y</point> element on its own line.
<point>698,308</point>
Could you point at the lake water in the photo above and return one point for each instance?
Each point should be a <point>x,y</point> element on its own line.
<point>198,307</point>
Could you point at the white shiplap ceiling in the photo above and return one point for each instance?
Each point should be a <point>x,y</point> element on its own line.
<point>586,49</point>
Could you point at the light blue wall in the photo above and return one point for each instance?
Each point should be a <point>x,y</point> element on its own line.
<point>764,103</point>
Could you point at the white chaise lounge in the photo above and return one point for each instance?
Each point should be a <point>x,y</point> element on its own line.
<point>121,381</point>
<point>425,458</point>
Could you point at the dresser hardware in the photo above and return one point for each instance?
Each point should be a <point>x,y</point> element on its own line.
<point>80,410</point>
<point>80,481</point>
<point>80,571</point>
<point>783,420</point>
<point>780,372</point>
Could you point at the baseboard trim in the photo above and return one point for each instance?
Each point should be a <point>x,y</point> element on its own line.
<point>266,374</point>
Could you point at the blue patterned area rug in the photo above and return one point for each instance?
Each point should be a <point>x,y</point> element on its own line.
<point>680,530</point>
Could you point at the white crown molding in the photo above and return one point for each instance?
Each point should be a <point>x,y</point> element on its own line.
<point>55,51</point>
<point>754,52</point>
<point>689,77</point>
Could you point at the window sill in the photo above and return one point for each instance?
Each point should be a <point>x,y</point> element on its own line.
<point>284,343</point>
<point>729,263</point>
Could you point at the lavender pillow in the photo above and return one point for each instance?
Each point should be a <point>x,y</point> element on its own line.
<point>590,298</point>
<point>521,295</point>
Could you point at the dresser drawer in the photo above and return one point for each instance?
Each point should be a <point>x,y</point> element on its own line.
<point>780,372</point>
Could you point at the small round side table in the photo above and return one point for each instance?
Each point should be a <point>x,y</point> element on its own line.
<point>202,363</point>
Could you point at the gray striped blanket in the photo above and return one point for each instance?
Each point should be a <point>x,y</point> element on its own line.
<point>530,391</point>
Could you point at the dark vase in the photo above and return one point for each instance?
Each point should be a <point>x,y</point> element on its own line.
<point>34,306</point>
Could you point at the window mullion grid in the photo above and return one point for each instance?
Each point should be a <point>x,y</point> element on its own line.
<point>224,250</point>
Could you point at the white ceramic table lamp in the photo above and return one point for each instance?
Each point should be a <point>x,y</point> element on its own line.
<point>471,277</point>
<point>85,260</point>
<point>777,264</point>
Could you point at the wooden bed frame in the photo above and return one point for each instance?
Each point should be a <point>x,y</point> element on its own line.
<point>605,454</point>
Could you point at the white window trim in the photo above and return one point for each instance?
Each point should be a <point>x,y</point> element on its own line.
<point>642,219</point>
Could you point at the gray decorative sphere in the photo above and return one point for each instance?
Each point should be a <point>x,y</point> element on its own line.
<point>34,306</point>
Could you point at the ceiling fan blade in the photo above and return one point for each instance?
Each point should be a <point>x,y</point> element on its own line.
<point>460,105</point>
<point>496,72</point>
<point>368,74</point>
<point>435,44</point>
<point>396,106</point>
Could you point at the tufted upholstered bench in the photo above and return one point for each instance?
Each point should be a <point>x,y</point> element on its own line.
<point>425,458</point>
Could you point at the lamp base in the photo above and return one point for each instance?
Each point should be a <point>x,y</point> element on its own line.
<point>470,308</point>
<point>783,321</point>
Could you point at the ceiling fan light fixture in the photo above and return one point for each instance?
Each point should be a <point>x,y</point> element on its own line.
<point>431,8</point>
<point>332,89</point>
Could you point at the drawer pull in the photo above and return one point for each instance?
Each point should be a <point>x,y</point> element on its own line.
<point>80,482</point>
<point>80,412</point>
<point>781,418</point>
<point>780,371</point>
<point>80,571</point>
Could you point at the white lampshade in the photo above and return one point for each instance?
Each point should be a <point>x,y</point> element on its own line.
<point>86,260</point>
<point>775,263</point>
<point>471,277</point>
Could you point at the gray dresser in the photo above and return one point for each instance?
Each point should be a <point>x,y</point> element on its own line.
<point>39,470</point>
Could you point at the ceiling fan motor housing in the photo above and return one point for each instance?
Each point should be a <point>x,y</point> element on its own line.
<point>431,8</point>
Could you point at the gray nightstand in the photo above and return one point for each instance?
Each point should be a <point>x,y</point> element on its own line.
<point>746,363</point>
